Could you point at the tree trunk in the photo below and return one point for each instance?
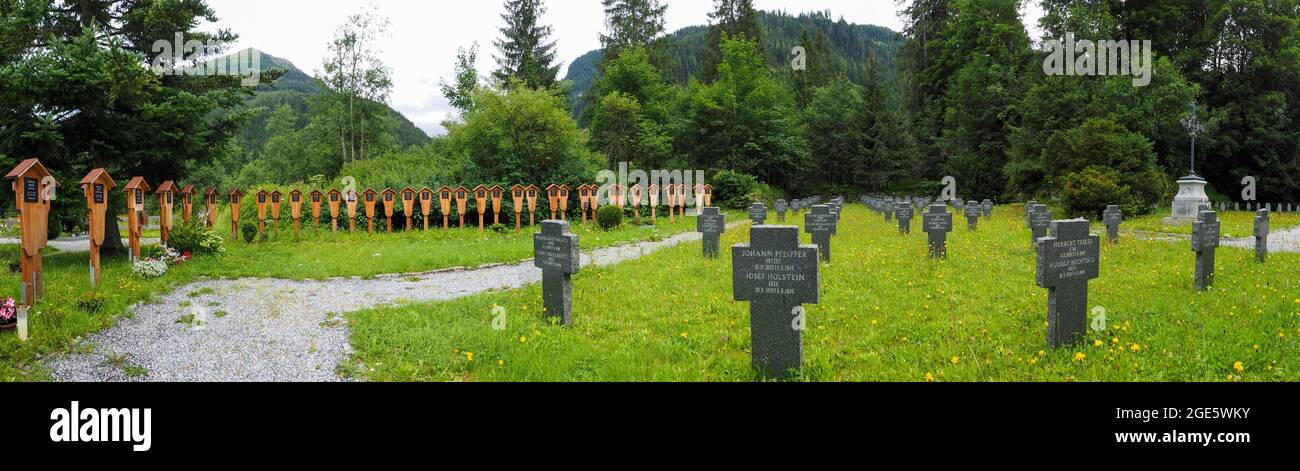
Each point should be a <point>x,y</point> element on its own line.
<point>112,236</point>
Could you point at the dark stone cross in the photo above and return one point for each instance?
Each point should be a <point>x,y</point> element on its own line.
<point>776,276</point>
<point>973,213</point>
<point>1040,219</point>
<point>822,224</point>
<point>758,213</point>
<point>1205,239</point>
<point>1113,217</point>
<point>1261,236</point>
<point>1029,208</point>
<point>557,253</point>
<point>987,207</point>
<point>937,223</point>
<point>904,216</point>
<point>1066,262</point>
<point>711,224</point>
<point>781,208</point>
<point>888,208</point>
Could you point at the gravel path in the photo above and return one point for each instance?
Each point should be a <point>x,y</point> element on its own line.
<point>1281,241</point>
<point>279,330</point>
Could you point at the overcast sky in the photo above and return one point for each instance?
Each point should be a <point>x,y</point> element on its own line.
<point>424,34</point>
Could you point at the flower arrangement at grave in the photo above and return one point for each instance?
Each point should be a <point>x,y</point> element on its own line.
<point>149,268</point>
<point>8,313</point>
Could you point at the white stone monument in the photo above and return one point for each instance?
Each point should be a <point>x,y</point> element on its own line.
<point>1191,196</point>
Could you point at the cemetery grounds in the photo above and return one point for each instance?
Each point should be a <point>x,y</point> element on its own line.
<point>887,312</point>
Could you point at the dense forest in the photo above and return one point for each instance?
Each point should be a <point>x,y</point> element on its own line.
<point>961,91</point>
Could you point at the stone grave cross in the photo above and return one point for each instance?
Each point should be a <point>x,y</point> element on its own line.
<point>1261,236</point>
<point>1113,217</point>
<point>1066,262</point>
<point>557,253</point>
<point>1205,239</point>
<point>711,225</point>
<point>777,276</point>
<point>973,213</point>
<point>822,224</point>
<point>758,213</point>
<point>937,223</point>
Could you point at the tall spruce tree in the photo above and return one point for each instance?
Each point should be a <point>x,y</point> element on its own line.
<point>631,23</point>
<point>730,18</point>
<point>526,54</point>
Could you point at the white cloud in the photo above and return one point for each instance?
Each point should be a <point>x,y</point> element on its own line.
<point>425,34</point>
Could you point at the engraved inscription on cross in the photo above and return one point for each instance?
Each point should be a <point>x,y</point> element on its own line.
<point>758,213</point>
<point>904,215</point>
<point>1040,218</point>
<point>557,253</point>
<point>777,276</point>
<point>822,224</point>
<point>1066,262</point>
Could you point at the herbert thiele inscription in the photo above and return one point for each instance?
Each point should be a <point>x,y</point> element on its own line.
<point>711,224</point>
<point>822,224</point>
<point>556,252</point>
<point>1066,262</point>
<point>777,276</point>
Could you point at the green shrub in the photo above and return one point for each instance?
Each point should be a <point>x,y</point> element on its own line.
<point>249,231</point>
<point>609,217</point>
<point>195,238</point>
<point>91,302</point>
<point>733,190</point>
<point>1087,193</point>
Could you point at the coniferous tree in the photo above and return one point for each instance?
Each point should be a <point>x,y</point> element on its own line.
<point>631,23</point>
<point>525,52</point>
<point>730,18</point>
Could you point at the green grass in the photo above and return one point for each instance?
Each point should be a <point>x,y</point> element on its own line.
<point>1233,224</point>
<point>57,321</point>
<point>887,313</point>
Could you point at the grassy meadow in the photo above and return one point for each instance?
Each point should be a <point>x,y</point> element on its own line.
<point>887,313</point>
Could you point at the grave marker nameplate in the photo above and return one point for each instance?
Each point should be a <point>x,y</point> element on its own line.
<point>1205,240</point>
<point>369,198</point>
<point>777,276</point>
<point>317,199</point>
<point>426,205</point>
<point>937,223</point>
<point>553,199</point>
<point>295,209</point>
<point>498,193</point>
<point>1066,261</point>
<point>444,203</point>
<point>481,204</point>
<point>187,203</point>
<point>711,225</point>
<point>636,193</point>
<point>531,194</point>
<point>335,198</point>
<point>564,202</point>
<point>408,206</point>
<point>462,199</point>
<point>166,199</point>
<point>557,253</point>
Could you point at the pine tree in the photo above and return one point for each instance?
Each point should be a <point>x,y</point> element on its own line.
<point>631,23</point>
<point>732,18</point>
<point>526,53</point>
